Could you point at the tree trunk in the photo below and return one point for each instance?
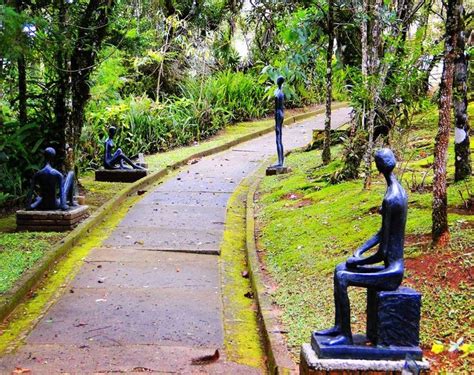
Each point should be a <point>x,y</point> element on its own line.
<point>462,151</point>
<point>440,230</point>
<point>22,93</point>
<point>374,64</point>
<point>58,136</point>
<point>326,155</point>
<point>354,153</point>
<point>82,63</point>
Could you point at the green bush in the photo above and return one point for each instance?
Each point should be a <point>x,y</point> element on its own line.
<point>19,154</point>
<point>205,107</point>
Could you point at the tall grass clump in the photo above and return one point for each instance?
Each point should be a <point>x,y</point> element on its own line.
<point>204,107</point>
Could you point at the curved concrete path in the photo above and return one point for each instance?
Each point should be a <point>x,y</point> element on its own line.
<point>150,298</point>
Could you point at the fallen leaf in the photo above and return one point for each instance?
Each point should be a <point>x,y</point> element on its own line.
<point>206,359</point>
<point>467,349</point>
<point>21,370</point>
<point>142,369</point>
<point>437,348</point>
<point>248,295</point>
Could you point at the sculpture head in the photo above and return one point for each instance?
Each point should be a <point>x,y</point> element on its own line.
<point>49,154</point>
<point>280,81</point>
<point>385,160</point>
<point>112,131</point>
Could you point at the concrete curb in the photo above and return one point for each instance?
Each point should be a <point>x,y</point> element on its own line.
<point>10,300</point>
<point>279,361</point>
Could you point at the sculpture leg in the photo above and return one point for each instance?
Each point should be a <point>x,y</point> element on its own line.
<point>279,144</point>
<point>129,162</point>
<point>343,312</point>
<point>69,189</point>
<point>336,329</point>
<point>385,279</point>
<point>118,156</point>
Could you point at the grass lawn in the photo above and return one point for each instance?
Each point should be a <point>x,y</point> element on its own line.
<point>306,226</point>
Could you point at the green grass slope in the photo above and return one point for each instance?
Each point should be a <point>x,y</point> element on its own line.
<point>306,226</point>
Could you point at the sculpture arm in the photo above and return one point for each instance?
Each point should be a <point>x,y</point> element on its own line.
<point>29,195</point>
<point>369,244</point>
<point>381,237</point>
<point>62,193</point>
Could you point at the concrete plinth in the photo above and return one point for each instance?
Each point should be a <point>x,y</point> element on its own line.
<point>363,349</point>
<point>50,221</point>
<point>311,364</point>
<point>272,170</point>
<point>120,175</point>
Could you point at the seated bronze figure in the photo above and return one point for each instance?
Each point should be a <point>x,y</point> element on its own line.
<point>49,180</point>
<point>111,159</point>
<point>361,271</point>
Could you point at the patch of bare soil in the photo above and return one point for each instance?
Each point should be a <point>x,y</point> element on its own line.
<point>440,269</point>
<point>296,197</point>
<point>292,196</point>
<point>438,362</point>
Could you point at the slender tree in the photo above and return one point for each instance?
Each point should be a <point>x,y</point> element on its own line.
<point>22,89</point>
<point>326,154</point>
<point>83,60</point>
<point>374,9</point>
<point>462,163</point>
<point>440,230</point>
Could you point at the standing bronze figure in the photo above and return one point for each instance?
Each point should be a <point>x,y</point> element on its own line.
<point>279,117</point>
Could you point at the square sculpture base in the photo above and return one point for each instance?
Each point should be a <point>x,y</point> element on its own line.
<point>361,349</point>
<point>50,221</point>
<point>272,170</point>
<point>311,364</point>
<point>120,175</point>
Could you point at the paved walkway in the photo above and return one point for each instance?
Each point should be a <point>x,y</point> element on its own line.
<point>150,298</point>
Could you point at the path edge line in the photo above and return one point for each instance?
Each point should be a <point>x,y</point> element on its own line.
<point>11,299</point>
<point>279,360</point>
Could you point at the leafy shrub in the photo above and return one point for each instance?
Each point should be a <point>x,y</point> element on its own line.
<point>206,106</point>
<point>19,156</point>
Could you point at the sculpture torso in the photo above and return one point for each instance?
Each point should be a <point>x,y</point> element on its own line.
<point>49,180</point>
<point>109,146</point>
<point>279,106</point>
<point>394,215</point>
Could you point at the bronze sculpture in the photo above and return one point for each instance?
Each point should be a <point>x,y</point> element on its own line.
<point>356,271</point>
<point>111,159</point>
<point>49,180</point>
<point>279,117</point>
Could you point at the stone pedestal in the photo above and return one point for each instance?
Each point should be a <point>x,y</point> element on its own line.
<point>311,364</point>
<point>363,349</point>
<point>272,170</point>
<point>120,175</point>
<point>50,221</point>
